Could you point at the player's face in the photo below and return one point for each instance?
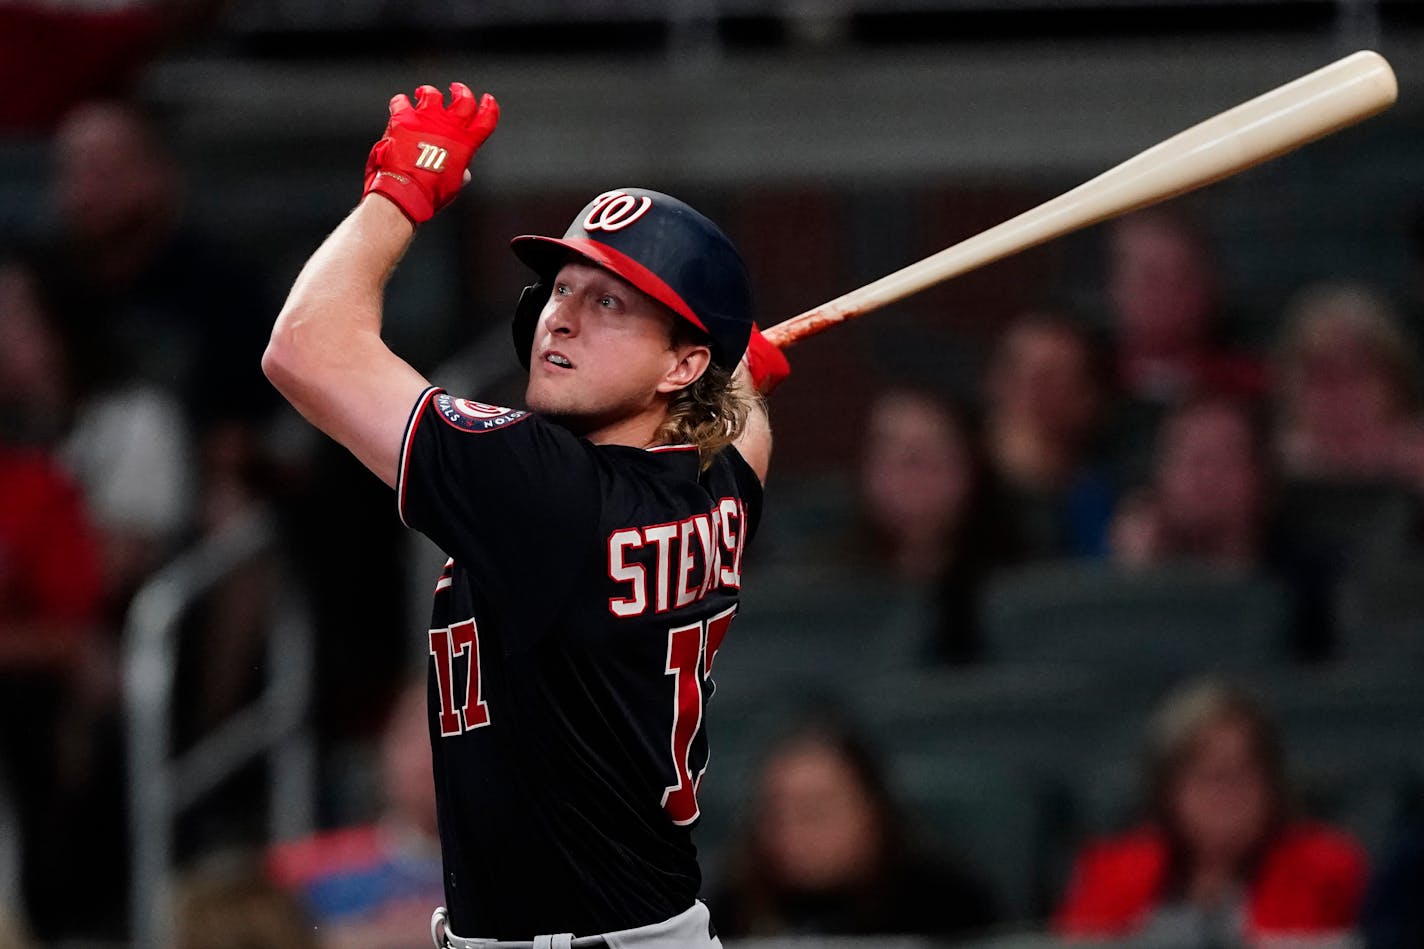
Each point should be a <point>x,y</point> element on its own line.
<point>603,357</point>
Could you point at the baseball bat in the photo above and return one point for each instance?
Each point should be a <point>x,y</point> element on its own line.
<point>1311,107</point>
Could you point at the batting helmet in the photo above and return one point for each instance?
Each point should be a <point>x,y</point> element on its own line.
<point>661,246</point>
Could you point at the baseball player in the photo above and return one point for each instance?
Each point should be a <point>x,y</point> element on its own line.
<point>596,540</point>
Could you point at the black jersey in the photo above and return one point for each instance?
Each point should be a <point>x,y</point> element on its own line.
<point>575,626</point>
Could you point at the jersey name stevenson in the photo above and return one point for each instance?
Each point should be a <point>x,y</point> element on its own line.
<point>682,561</point>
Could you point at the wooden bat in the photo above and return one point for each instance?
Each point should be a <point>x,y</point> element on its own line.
<point>1311,107</point>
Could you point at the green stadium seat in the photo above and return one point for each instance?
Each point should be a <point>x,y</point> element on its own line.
<point>989,819</point>
<point>1029,941</point>
<point>1349,718</point>
<point>1158,623</point>
<point>1349,520</point>
<point>824,629</point>
<point>1380,614</point>
<point>1032,717</point>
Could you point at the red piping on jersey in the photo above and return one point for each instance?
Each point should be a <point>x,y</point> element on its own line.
<point>622,265</point>
<point>406,443</point>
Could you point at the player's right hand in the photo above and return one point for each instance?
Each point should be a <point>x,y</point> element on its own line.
<point>765,363</point>
<point>420,163</point>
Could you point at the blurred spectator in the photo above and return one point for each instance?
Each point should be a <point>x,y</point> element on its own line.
<point>227,902</point>
<point>50,591</point>
<point>1348,389</point>
<point>124,443</point>
<point>1207,500</point>
<point>1045,396</point>
<point>163,304</point>
<point>104,46</point>
<point>1210,502</point>
<point>827,851</point>
<point>1415,290</point>
<point>1221,860</point>
<point>375,886</point>
<point>1165,298</point>
<point>932,508</point>
<point>12,931</point>
<point>1394,909</point>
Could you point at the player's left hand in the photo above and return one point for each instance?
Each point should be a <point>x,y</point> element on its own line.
<point>421,161</point>
<point>765,362</point>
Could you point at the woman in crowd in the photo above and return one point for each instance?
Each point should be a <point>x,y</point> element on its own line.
<point>1221,861</point>
<point>1207,500</point>
<point>1044,406</point>
<point>1347,389</point>
<point>827,851</point>
<point>931,509</point>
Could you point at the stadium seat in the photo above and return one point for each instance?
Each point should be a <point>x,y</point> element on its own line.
<point>1351,720</point>
<point>10,843</point>
<point>1380,614</point>
<point>1030,940</point>
<point>989,819</point>
<point>1349,520</point>
<point>824,629</point>
<point>1157,623</point>
<point>1031,717</point>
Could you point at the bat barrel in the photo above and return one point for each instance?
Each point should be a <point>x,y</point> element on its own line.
<point>1315,105</point>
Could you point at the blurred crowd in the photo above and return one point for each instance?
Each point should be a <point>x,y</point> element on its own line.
<point>1141,440</point>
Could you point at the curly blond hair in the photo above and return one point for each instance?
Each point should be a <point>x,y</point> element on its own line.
<point>710,413</point>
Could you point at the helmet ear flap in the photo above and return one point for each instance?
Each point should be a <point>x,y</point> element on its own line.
<point>526,317</point>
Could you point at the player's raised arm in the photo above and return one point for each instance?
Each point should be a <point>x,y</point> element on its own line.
<point>326,355</point>
<point>763,368</point>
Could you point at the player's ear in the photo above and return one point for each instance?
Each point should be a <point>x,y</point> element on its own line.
<point>692,361</point>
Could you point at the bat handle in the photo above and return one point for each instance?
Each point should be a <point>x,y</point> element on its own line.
<point>805,325</point>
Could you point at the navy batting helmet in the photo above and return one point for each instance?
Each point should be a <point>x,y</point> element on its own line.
<point>661,246</point>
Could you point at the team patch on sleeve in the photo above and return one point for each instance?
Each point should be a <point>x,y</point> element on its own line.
<point>470,416</point>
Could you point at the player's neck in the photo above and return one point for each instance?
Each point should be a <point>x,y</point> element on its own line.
<point>636,431</point>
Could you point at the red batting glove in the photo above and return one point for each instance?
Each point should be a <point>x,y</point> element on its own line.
<point>766,363</point>
<point>421,161</point>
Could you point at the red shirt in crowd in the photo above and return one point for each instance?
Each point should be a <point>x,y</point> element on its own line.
<point>50,575</point>
<point>1311,880</point>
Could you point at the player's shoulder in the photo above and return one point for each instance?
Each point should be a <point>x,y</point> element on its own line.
<point>731,460</point>
<point>483,432</point>
<point>470,416</point>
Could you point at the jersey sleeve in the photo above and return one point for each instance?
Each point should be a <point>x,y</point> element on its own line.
<point>514,498</point>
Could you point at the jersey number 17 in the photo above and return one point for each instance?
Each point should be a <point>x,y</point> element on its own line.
<point>690,652</point>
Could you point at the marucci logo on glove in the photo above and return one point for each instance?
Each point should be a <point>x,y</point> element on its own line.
<point>614,210</point>
<point>432,157</point>
<point>469,416</point>
<point>432,138</point>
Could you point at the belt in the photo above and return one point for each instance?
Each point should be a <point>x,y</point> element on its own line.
<point>445,939</point>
